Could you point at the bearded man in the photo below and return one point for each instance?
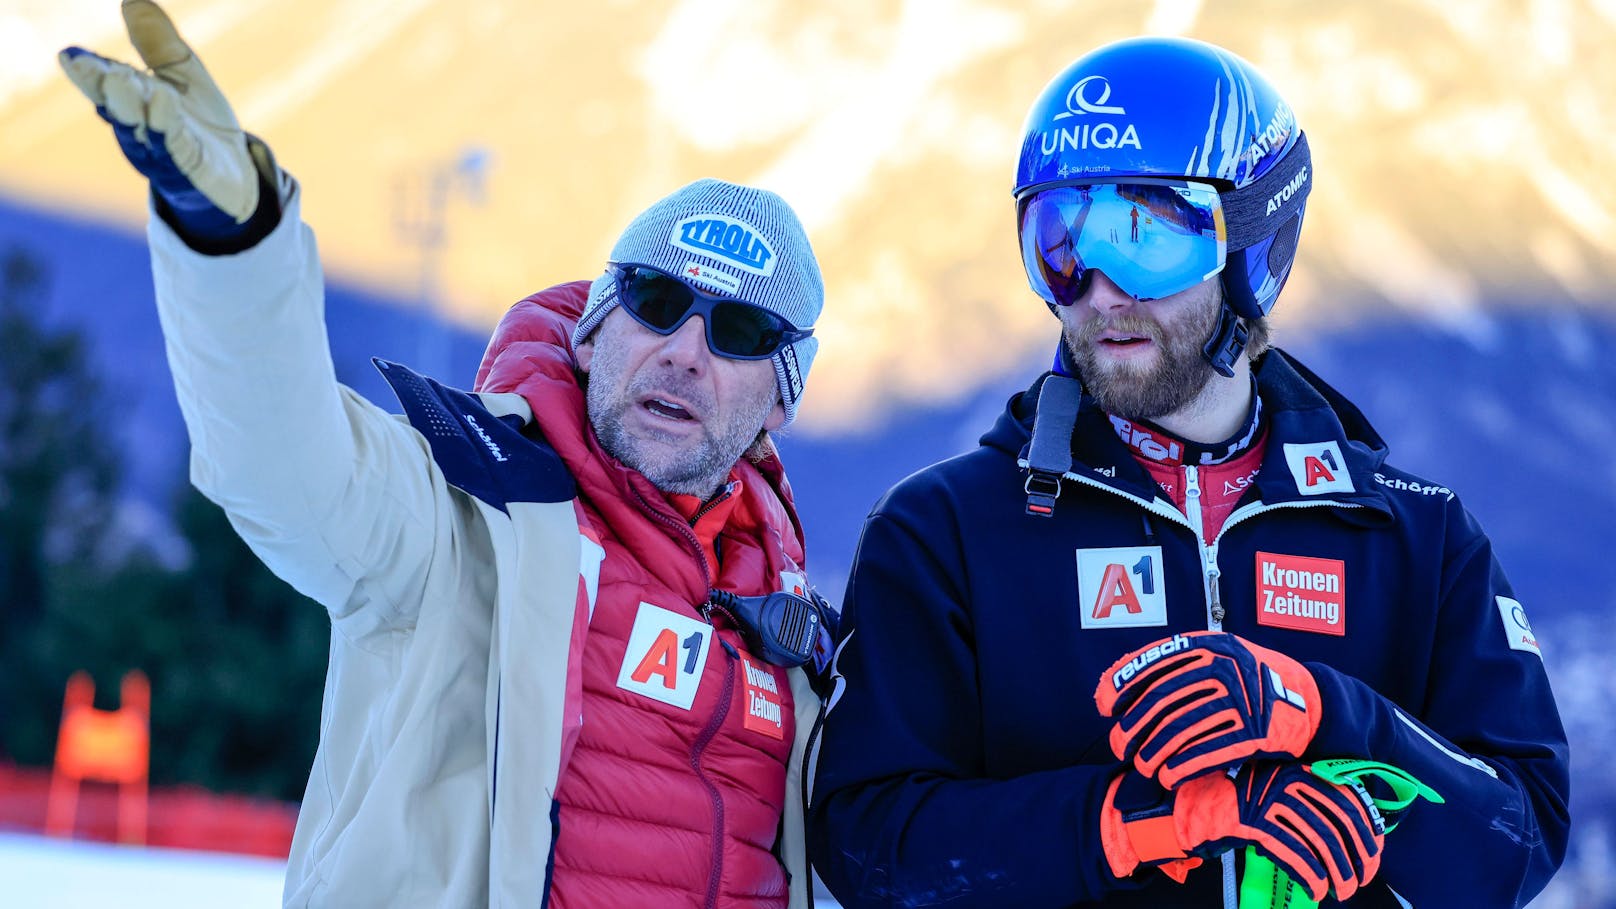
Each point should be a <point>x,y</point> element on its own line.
<point>1177,634</point>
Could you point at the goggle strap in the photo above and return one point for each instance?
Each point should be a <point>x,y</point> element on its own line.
<point>1049,454</point>
<point>1256,211</point>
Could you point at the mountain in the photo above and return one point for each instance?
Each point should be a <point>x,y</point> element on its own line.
<point>466,153</point>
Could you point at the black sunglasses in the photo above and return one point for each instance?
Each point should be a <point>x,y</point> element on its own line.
<point>736,330</point>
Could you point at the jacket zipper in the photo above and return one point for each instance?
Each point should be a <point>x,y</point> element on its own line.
<point>712,503</point>
<point>684,531</point>
<point>702,741</point>
<point>1192,519</point>
<point>1214,621</point>
<point>709,731</point>
<point>1171,514</point>
<point>1208,551</point>
<point>1215,610</point>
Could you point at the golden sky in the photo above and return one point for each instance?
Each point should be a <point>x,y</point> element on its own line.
<point>1462,150</point>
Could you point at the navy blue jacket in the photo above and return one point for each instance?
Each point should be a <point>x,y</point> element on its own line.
<point>965,763</point>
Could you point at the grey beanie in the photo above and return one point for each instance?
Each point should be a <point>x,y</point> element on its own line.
<point>733,241</point>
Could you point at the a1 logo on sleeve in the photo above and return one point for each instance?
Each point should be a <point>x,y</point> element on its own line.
<point>1318,468</point>
<point>1121,587</point>
<point>1516,628</point>
<point>666,654</point>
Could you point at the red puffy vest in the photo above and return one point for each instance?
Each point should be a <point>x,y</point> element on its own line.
<point>674,790</point>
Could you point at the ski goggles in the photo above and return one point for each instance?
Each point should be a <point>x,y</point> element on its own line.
<point>1151,237</point>
<point>735,329</point>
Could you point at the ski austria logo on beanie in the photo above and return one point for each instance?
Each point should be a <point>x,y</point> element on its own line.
<point>738,241</point>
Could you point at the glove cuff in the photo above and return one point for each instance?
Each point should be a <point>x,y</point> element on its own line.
<point>1135,831</point>
<point>1294,727</point>
<point>211,239</point>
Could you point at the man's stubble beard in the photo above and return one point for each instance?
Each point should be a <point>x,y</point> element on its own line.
<point>1181,371</point>
<point>699,470</point>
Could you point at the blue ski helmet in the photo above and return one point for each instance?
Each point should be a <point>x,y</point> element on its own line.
<point>1178,108</point>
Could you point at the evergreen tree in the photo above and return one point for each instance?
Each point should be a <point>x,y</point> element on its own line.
<point>236,658</point>
<point>57,476</point>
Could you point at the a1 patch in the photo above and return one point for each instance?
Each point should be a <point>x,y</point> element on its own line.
<point>1302,593</point>
<point>765,712</point>
<point>1121,587</point>
<point>1517,629</point>
<point>665,656</point>
<point>1318,468</point>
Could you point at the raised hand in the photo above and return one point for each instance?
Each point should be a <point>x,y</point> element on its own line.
<point>176,128</point>
<point>1206,700</point>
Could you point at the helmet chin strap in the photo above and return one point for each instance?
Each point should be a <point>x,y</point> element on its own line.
<point>1228,340</point>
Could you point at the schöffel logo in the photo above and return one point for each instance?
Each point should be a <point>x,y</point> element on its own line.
<point>493,447</point>
<point>1078,100</point>
<point>733,241</point>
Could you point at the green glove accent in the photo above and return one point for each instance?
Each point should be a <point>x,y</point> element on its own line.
<point>1264,886</point>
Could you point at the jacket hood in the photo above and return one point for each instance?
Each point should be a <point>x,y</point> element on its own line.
<point>530,353</point>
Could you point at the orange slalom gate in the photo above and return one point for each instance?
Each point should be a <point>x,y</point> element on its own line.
<point>110,746</point>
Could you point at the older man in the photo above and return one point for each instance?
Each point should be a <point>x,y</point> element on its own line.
<point>572,636</point>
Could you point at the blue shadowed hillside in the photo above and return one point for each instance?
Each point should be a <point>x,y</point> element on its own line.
<point>1517,414</point>
<point>99,283</point>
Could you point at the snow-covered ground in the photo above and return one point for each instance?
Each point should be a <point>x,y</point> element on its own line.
<point>43,873</point>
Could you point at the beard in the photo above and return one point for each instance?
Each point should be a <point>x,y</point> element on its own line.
<point>1178,375</point>
<point>671,462</point>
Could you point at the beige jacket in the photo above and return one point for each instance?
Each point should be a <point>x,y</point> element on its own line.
<point>454,621</point>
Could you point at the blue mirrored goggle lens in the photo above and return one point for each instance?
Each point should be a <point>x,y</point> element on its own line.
<point>735,329</point>
<point>1151,239</point>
